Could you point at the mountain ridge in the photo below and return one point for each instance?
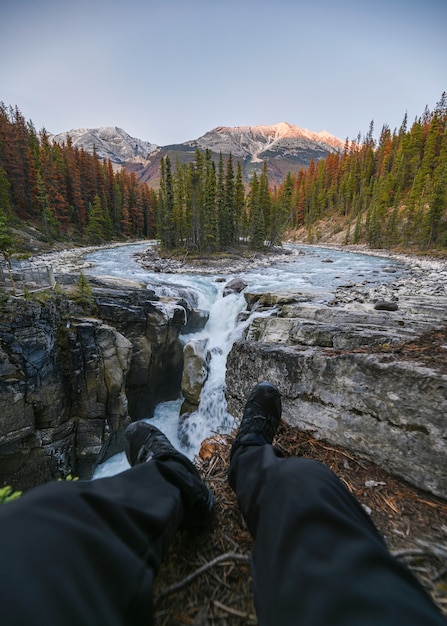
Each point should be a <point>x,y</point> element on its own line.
<point>283,146</point>
<point>110,142</point>
<point>253,141</point>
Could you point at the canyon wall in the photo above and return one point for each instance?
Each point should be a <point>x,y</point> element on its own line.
<point>71,382</point>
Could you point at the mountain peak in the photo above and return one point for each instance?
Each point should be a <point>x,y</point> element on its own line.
<point>258,142</point>
<point>110,142</point>
<point>281,129</point>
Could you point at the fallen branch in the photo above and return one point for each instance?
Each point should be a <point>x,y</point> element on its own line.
<point>228,556</point>
<point>231,611</point>
<point>437,549</point>
<point>427,550</point>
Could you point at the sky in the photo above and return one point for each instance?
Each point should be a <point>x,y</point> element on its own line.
<point>168,71</point>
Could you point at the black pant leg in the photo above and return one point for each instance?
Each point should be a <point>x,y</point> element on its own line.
<point>318,560</point>
<point>86,553</point>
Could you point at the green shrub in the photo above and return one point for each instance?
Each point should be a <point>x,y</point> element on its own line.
<point>7,494</point>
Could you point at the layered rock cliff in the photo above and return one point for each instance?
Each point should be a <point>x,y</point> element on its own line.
<point>341,379</point>
<point>71,382</point>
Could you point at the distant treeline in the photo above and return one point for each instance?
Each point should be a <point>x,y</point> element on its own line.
<point>389,193</point>
<point>62,189</point>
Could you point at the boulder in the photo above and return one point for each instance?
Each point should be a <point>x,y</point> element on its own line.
<point>269,299</point>
<point>383,305</point>
<point>195,372</point>
<point>234,286</point>
<point>196,321</point>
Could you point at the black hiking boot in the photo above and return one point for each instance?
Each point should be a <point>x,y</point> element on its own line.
<point>145,442</point>
<point>262,414</point>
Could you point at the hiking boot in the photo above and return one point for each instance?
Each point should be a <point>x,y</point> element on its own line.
<point>145,442</point>
<point>262,414</point>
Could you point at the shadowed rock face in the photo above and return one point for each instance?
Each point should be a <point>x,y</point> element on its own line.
<point>389,410</point>
<point>153,327</point>
<point>70,384</point>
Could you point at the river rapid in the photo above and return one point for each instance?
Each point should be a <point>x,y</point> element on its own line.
<point>319,271</point>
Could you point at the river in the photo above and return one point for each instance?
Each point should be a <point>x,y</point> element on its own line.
<point>316,270</point>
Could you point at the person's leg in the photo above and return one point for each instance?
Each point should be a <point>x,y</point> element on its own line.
<point>318,560</point>
<point>86,552</point>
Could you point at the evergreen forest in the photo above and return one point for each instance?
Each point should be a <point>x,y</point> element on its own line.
<point>390,192</point>
<point>65,192</point>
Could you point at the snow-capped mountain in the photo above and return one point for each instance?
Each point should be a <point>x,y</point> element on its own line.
<point>285,148</point>
<point>110,142</point>
<point>259,143</point>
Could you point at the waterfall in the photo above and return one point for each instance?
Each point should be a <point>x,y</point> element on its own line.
<point>212,415</point>
<point>220,332</point>
<point>224,326</point>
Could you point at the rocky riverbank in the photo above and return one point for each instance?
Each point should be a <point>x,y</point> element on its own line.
<point>72,260</point>
<point>365,370</point>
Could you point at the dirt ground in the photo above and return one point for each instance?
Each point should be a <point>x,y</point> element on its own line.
<point>413,523</point>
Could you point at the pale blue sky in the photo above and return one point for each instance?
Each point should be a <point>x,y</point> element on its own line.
<point>169,71</point>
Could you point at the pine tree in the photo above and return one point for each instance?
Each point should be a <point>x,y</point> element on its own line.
<point>264,218</point>
<point>74,187</point>
<point>5,237</point>
<point>5,186</point>
<point>358,231</point>
<point>6,242</point>
<point>437,208</point>
<point>96,222</point>
<point>229,205</point>
<point>220,201</point>
<point>281,210</point>
<point>125,224</point>
<point>239,203</point>
<point>107,224</point>
<point>196,178</point>
<point>166,231</point>
<point>48,219</point>
<point>182,204</point>
<point>256,220</point>
<point>211,223</point>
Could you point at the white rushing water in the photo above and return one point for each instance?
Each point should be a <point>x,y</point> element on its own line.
<point>318,270</point>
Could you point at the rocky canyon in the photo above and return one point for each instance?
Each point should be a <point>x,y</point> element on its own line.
<point>71,382</point>
<point>365,370</point>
